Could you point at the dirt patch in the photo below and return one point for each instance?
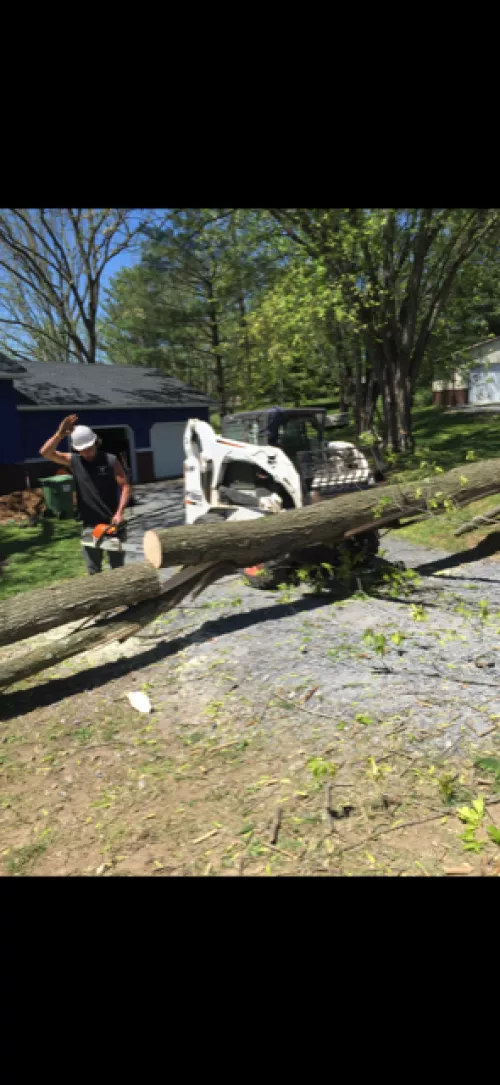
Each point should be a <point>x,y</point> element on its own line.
<point>109,792</point>
<point>279,743</point>
<point>212,784</point>
<point>21,505</point>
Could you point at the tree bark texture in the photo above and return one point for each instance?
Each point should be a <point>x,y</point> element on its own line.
<point>37,611</point>
<point>119,627</point>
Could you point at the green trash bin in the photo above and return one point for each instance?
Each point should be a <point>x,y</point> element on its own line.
<point>58,495</point>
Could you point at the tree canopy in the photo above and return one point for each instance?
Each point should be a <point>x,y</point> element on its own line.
<point>259,305</point>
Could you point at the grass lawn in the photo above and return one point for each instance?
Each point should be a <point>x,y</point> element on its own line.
<point>437,531</point>
<point>38,556</point>
<point>445,439</point>
<point>450,436</point>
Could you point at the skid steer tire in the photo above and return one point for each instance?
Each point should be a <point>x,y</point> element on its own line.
<point>269,575</point>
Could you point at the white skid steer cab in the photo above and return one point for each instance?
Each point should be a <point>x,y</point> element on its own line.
<point>266,462</point>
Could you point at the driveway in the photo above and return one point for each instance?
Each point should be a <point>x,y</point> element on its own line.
<point>157,505</point>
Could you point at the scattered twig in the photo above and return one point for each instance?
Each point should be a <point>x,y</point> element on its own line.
<point>302,708</point>
<point>486,807</point>
<point>272,847</point>
<point>490,519</point>
<point>199,839</point>
<point>328,808</point>
<point>407,825</point>
<point>276,825</point>
<point>225,745</point>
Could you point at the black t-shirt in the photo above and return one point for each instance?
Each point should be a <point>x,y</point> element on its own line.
<point>97,490</point>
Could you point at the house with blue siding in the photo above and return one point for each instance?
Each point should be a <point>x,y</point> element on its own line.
<point>139,414</point>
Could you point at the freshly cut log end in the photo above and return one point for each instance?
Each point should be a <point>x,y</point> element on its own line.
<point>152,548</point>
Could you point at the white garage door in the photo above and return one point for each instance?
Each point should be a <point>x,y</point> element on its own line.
<point>484,384</point>
<point>168,451</point>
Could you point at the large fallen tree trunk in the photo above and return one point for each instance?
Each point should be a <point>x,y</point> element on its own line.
<point>246,542</point>
<point>119,627</point>
<point>37,611</point>
<point>211,551</point>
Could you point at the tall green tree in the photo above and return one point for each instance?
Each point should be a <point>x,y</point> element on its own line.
<point>471,315</point>
<point>185,306</point>
<point>290,338</point>
<point>168,310</point>
<point>392,271</point>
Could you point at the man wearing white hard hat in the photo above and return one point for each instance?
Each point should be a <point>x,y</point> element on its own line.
<point>102,487</point>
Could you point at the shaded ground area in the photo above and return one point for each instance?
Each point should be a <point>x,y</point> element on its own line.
<point>280,741</point>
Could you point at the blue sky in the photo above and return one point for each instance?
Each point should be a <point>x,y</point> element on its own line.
<point>125,259</point>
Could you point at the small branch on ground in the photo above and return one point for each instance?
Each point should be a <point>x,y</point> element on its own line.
<point>276,825</point>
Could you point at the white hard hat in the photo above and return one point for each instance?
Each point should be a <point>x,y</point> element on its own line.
<point>83,437</point>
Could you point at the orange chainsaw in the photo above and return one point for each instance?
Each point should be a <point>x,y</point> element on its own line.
<point>102,534</point>
<point>107,531</point>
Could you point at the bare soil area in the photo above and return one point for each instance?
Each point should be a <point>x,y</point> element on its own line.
<point>279,742</point>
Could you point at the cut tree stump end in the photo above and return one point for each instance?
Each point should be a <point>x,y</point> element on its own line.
<point>152,549</point>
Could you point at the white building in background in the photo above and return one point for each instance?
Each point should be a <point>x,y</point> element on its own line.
<point>484,376</point>
<point>477,382</point>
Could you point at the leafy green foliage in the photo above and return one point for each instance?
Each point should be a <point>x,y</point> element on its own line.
<point>447,784</point>
<point>392,272</point>
<point>184,307</point>
<point>376,641</point>
<point>472,816</point>
<point>376,771</point>
<point>319,768</point>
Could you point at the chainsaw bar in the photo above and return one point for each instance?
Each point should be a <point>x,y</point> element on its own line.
<point>112,542</point>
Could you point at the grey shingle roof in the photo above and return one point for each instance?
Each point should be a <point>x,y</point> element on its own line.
<point>8,367</point>
<point>47,384</point>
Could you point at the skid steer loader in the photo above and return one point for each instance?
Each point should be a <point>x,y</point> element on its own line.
<point>269,461</point>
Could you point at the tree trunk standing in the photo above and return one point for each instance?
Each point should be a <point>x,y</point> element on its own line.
<point>37,611</point>
<point>344,365</point>
<point>91,323</point>
<point>373,386</point>
<point>404,401</point>
<point>342,392</point>
<point>249,542</point>
<point>397,396</point>
<point>214,331</point>
<point>385,378</point>
<point>358,406</point>
<point>365,394</point>
<point>246,342</point>
<point>371,396</point>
